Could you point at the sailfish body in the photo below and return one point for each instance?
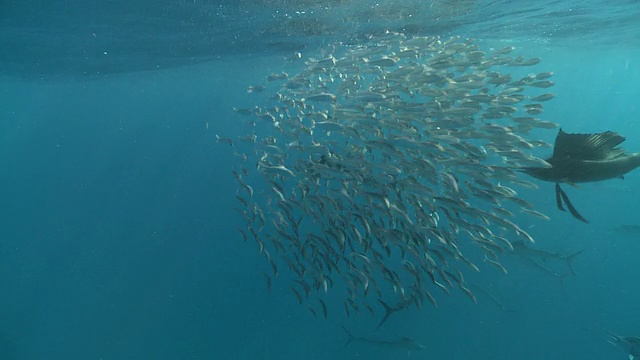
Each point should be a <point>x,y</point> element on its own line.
<point>581,171</point>
<point>579,158</point>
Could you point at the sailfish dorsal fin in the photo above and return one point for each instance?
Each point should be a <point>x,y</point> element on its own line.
<point>599,146</point>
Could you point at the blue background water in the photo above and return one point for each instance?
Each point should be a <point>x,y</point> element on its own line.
<point>117,235</point>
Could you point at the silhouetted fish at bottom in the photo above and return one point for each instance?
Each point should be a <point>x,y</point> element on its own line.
<point>520,248</point>
<point>538,258</point>
<point>401,343</point>
<point>627,229</point>
<point>628,344</point>
<point>579,158</point>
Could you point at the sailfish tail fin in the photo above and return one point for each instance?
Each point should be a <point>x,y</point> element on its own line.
<point>349,334</point>
<point>387,312</point>
<point>569,259</point>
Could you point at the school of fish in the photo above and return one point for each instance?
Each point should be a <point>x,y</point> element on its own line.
<point>376,173</point>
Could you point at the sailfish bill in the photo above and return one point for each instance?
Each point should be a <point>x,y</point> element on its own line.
<point>579,158</point>
<point>561,196</point>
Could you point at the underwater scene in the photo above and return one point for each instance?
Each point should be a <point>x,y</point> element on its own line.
<point>401,179</point>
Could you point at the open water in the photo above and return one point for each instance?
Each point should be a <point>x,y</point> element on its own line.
<point>118,238</point>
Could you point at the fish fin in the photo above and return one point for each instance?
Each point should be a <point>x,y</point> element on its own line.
<point>572,184</point>
<point>559,197</point>
<point>313,311</point>
<point>569,260</point>
<point>631,357</point>
<point>349,334</point>
<point>621,177</point>
<point>572,209</point>
<point>324,308</point>
<point>598,146</point>
<point>387,312</point>
<point>542,267</point>
<point>562,288</point>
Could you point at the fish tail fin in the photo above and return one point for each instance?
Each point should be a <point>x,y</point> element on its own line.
<point>569,259</point>
<point>388,309</point>
<point>387,312</point>
<point>570,206</point>
<point>572,184</point>
<point>349,334</point>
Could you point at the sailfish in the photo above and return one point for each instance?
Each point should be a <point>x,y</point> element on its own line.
<point>579,158</point>
<point>628,344</point>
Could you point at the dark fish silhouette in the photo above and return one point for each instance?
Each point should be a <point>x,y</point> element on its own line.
<point>627,229</point>
<point>401,343</point>
<point>579,158</point>
<point>520,248</point>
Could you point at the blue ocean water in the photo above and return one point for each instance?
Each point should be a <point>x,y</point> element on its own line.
<point>118,238</point>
